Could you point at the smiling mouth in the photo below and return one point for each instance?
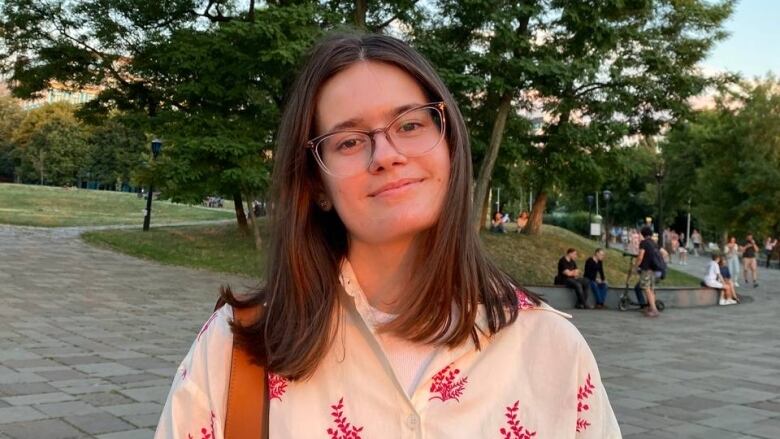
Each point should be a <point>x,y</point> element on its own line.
<point>395,185</point>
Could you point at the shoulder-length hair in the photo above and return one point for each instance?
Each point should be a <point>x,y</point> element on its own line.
<point>307,244</point>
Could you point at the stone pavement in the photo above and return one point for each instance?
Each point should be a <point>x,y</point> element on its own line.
<point>90,340</point>
<point>693,373</point>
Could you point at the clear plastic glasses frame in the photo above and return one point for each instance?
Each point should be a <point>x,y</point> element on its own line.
<point>413,133</point>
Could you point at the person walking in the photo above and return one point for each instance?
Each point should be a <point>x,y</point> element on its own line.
<point>696,240</point>
<point>594,272</point>
<point>732,258</point>
<point>381,316</point>
<point>749,263</point>
<point>647,263</point>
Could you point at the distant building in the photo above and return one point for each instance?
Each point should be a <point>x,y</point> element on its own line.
<point>56,92</point>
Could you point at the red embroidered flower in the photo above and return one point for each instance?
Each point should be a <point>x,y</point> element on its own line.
<point>206,325</point>
<point>583,393</point>
<point>523,302</point>
<point>206,432</point>
<point>277,385</point>
<point>445,385</point>
<point>343,430</point>
<point>514,429</point>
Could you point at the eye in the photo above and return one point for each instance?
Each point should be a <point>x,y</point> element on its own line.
<point>409,126</point>
<point>350,145</point>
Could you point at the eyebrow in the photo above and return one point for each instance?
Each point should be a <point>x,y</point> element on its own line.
<point>358,121</point>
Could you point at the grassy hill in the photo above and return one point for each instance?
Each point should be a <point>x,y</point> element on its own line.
<point>533,259</point>
<point>530,259</point>
<point>47,206</point>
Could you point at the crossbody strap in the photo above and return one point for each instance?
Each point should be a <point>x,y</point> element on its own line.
<point>247,405</point>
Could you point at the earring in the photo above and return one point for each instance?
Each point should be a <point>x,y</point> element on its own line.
<point>324,204</point>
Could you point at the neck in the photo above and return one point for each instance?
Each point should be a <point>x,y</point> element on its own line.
<point>383,270</point>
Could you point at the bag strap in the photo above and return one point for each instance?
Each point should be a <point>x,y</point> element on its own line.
<point>247,402</point>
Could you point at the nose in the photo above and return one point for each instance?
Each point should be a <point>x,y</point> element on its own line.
<point>384,155</point>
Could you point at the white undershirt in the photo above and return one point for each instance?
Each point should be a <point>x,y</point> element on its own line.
<point>409,360</point>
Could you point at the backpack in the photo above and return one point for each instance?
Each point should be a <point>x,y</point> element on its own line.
<point>657,261</point>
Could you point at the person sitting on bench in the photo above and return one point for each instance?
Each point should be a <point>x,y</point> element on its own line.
<point>569,276</point>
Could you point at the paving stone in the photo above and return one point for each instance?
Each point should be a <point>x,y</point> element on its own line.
<point>99,423</point>
<point>138,408</point>
<point>105,398</point>
<point>40,398</point>
<point>141,433</point>
<point>59,409</point>
<point>46,428</point>
<point>14,414</point>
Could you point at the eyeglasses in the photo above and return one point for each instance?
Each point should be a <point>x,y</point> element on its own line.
<point>413,133</point>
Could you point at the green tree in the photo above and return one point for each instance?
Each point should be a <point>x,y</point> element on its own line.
<point>597,71</point>
<point>728,160</point>
<point>51,145</point>
<point>10,117</point>
<point>115,152</point>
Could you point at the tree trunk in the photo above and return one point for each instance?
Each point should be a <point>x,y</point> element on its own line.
<point>485,212</point>
<point>240,215</point>
<point>255,226</point>
<point>486,170</point>
<point>361,8</point>
<point>535,218</point>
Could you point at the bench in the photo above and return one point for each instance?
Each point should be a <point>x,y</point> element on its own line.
<point>676,297</point>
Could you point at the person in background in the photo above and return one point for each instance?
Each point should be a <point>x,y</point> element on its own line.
<point>648,252</point>
<point>714,279</point>
<point>594,272</point>
<point>696,240</point>
<point>769,246</point>
<point>749,264</point>
<point>569,276</point>
<point>728,279</point>
<point>732,258</point>
<point>522,221</point>
<point>497,224</point>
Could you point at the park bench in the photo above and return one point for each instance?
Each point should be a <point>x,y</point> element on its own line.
<point>562,298</point>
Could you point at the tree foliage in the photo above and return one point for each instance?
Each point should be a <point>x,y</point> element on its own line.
<point>727,161</point>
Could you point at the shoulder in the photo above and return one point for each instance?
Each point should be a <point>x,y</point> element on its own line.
<point>544,326</point>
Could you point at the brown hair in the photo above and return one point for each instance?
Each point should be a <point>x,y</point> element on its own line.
<point>308,244</point>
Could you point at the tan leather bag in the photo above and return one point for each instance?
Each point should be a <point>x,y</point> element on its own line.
<point>247,403</point>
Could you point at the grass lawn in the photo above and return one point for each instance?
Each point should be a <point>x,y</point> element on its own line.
<point>530,259</point>
<point>47,206</point>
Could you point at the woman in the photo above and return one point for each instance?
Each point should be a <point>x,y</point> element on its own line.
<point>522,221</point>
<point>384,318</point>
<point>714,279</point>
<point>732,258</point>
<point>497,223</point>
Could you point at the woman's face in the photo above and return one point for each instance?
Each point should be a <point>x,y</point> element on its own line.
<point>398,196</point>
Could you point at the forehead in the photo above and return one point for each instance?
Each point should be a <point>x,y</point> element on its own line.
<point>368,91</point>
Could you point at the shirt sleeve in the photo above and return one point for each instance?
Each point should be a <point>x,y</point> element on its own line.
<point>196,402</point>
<point>595,418</point>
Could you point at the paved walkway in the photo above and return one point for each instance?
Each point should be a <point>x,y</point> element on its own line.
<point>89,341</point>
<point>693,373</point>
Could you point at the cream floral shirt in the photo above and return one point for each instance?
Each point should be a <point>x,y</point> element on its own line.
<point>534,379</point>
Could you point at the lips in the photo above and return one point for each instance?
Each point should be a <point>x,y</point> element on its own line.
<point>395,185</point>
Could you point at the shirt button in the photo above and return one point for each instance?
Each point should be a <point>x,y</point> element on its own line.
<point>412,421</point>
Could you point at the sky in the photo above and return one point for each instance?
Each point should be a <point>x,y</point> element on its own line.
<point>753,48</point>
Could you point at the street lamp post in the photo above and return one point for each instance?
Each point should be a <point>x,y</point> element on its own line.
<point>607,195</point>
<point>590,212</point>
<point>156,147</point>
<point>659,177</point>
